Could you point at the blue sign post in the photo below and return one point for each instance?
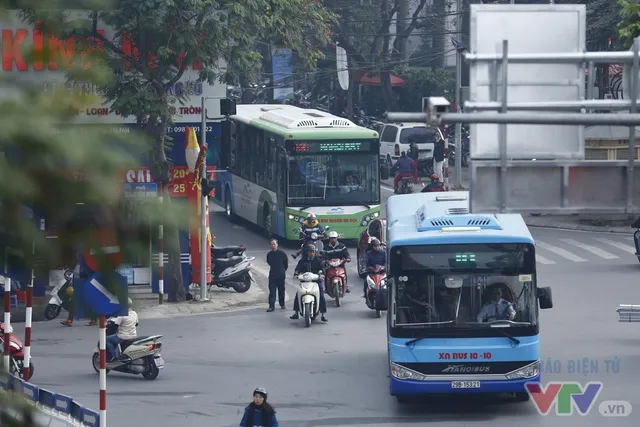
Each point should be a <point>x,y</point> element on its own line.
<point>140,190</point>
<point>98,293</point>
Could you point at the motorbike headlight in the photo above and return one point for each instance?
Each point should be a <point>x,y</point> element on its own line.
<point>529,371</point>
<point>403,373</point>
<point>370,282</point>
<point>314,236</point>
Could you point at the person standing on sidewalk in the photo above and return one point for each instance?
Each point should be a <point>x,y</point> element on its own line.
<point>278,265</point>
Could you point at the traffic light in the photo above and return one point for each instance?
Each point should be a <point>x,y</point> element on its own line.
<point>227,107</point>
<point>208,186</point>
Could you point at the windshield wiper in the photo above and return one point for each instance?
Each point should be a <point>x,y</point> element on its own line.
<point>415,340</point>
<point>512,338</point>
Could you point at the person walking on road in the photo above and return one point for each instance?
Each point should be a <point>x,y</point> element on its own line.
<point>278,265</point>
<point>259,413</point>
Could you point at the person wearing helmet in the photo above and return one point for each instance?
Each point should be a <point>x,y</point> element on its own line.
<point>406,167</point>
<point>374,256</point>
<point>259,412</point>
<point>309,226</point>
<point>434,186</point>
<point>335,245</point>
<point>126,331</point>
<point>311,264</point>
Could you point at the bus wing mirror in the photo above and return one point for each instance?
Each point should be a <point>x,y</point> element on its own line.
<point>545,298</point>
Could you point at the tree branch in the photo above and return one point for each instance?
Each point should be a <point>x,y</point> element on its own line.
<point>189,57</point>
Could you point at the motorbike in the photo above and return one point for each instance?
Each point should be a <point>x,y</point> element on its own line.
<point>336,284</point>
<point>59,297</point>
<point>315,239</point>
<point>405,186</point>
<point>141,355</point>
<point>16,354</point>
<point>377,229</point>
<point>309,296</point>
<point>377,289</point>
<point>233,272</point>
<point>636,236</point>
<point>227,251</point>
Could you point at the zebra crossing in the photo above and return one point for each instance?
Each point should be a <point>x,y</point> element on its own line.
<point>551,251</point>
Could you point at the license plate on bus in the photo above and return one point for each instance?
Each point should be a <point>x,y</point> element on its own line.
<point>465,384</point>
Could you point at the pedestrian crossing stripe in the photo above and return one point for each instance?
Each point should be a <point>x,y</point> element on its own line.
<point>594,250</point>
<point>618,245</point>
<point>559,251</point>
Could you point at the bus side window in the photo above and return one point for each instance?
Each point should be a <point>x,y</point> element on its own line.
<point>232,145</point>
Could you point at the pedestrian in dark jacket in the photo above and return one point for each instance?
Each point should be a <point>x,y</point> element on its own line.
<point>278,264</point>
<point>259,412</point>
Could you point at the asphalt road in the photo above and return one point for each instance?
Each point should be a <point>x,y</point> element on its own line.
<point>335,374</point>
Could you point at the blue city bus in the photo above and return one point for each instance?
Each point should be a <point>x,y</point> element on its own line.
<point>444,264</point>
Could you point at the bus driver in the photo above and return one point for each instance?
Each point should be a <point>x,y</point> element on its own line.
<point>497,309</point>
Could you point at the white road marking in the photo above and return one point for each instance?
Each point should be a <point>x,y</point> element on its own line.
<point>618,245</point>
<point>385,188</point>
<point>593,249</point>
<point>543,260</point>
<point>559,251</point>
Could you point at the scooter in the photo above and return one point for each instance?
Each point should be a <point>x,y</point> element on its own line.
<point>377,289</point>
<point>336,275</point>
<point>233,272</point>
<point>59,298</point>
<point>227,251</point>
<point>140,356</point>
<point>16,353</point>
<point>309,296</point>
<point>315,239</point>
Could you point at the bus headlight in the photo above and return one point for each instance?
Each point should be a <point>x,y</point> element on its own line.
<point>402,373</point>
<point>291,216</point>
<point>528,371</point>
<point>376,214</point>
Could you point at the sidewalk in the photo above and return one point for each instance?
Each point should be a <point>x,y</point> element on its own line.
<point>575,222</point>
<point>220,300</point>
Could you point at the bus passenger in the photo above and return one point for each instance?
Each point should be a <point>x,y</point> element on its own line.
<point>497,309</point>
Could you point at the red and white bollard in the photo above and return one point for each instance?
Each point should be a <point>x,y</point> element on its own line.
<point>7,322</point>
<point>27,329</point>
<point>103,370</point>
<point>446,174</point>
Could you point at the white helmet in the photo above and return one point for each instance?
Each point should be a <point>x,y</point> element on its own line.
<point>333,234</point>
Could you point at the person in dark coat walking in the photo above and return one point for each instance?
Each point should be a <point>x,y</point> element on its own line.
<point>278,265</point>
<point>259,412</point>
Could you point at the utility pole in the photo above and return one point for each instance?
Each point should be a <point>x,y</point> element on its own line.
<point>458,140</point>
<point>402,23</point>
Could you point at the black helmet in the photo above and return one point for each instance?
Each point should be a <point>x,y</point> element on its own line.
<point>375,242</point>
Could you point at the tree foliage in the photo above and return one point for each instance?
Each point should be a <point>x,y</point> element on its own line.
<point>629,22</point>
<point>221,38</point>
<point>425,82</point>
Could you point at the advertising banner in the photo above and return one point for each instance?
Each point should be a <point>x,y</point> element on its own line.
<point>282,74</point>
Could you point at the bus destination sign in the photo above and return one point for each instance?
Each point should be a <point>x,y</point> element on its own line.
<point>319,147</point>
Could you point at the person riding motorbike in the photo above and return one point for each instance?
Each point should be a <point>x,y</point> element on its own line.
<point>309,226</point>
<point>406,167</point>
<point>335,245</point>
<point>374,256</point>
<point>434,186</point>
<point>311,264</point>
<point>126,331</point>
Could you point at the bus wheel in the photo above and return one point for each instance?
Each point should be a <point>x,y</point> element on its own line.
<point>267,219</point>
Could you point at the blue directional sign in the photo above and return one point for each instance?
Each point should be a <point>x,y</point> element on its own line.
<point>140,190</point>
<point>102,300</point>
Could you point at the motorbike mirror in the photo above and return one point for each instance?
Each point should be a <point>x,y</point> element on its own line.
<point>453,282</point>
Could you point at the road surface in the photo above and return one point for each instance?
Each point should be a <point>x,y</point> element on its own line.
<point>335,374</point>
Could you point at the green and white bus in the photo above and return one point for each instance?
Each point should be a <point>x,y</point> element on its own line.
<point>278,163</point>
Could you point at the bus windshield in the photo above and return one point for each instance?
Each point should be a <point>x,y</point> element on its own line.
<point>444,286</point>
<point>333,179</point>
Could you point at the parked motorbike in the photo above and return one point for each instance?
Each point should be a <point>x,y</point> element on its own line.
<point>233,272</point>
<point>377,289</point>
<point>309,296</point>
<point>16,354</point>
<point>227,251</point>
<point>315,239</point>
<point>336,284</point>
<point>141,355</point>
<point>59,297</point>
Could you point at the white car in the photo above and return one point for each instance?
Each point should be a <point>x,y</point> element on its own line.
<point>397,137</point>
